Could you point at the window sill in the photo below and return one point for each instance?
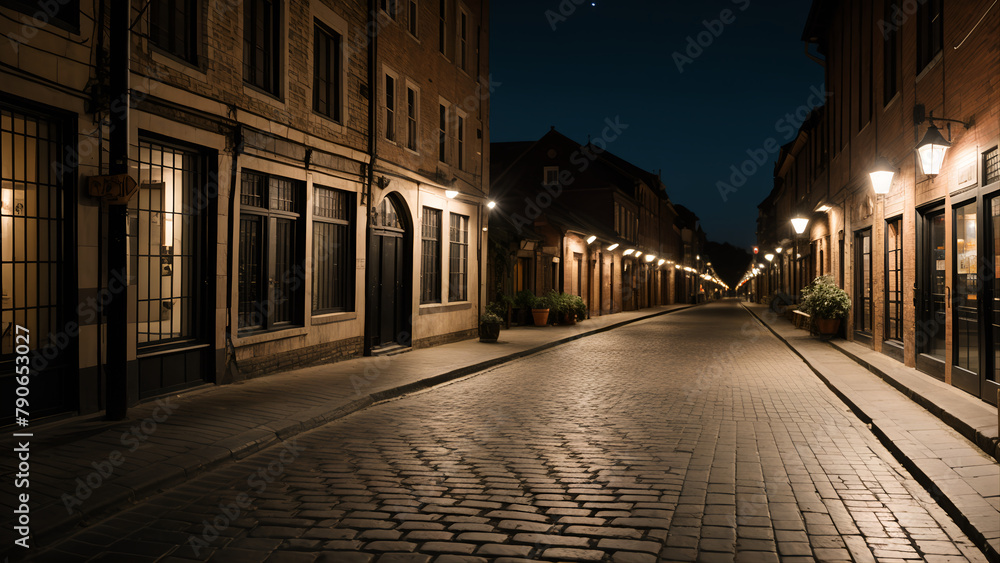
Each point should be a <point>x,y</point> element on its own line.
<point>262,95</point>
<point>329,318</point>
<point>436,308</point>
<point>269,336</point>
<point>187,68</point>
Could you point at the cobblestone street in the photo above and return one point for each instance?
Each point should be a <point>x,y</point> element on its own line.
<point>696,436</point>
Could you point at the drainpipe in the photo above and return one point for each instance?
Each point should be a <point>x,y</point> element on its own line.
<point>116,390</point>
<point>370,289</point>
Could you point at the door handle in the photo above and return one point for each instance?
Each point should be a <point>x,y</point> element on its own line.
<point>947,303</point>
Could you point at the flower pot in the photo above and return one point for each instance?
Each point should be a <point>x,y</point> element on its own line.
<point>569,318</point>
<point>489,332</point>
<point>827,327</point>
<point>541,316</point>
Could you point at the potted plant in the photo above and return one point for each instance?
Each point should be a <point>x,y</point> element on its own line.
<point>826,303</point>
<point>540,311</point>
<point>557,306</point>
<point>489,326</point>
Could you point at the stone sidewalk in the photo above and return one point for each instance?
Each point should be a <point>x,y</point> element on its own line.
<point>945,437</point>
<point>86,468</point>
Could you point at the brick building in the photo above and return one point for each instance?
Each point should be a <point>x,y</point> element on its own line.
<point>919,261</point>
<point>578,219</point>
<point>262,135</point>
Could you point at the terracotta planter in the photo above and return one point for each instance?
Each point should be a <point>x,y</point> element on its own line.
<point>569,318</point>
<point>541,316</point>
<point>489,332</point>
<point>827,327</point>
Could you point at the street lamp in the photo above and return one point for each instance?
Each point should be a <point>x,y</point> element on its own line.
<point>451,194</point>
<point>491,204</point>
<point>612,247</point>
<point>931,150</point>
<point>769,256</point>
<point>591,239</point>
<point>881,175</point>
<point>799,223</point>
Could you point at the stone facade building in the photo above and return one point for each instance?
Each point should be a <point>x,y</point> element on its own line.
<point>298,164</point>
<point>920,261</point>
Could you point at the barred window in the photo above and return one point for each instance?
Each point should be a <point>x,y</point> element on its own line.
<point>270,277</point>
<point>458,273</point>
<point>430,262</point>
<point>333,251</point>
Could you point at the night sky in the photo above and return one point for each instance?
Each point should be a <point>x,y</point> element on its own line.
<point>615,59</point>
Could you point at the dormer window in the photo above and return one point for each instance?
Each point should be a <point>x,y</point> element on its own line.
<point>550,176</point>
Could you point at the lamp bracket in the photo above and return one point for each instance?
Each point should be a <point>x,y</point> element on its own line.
<point>920,115</point>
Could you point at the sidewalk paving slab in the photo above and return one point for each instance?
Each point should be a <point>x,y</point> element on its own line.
<point>99,467</point>
<point>938,432</point>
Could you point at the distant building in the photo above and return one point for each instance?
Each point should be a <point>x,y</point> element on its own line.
<point>577,219</point>
<point>262,136</point>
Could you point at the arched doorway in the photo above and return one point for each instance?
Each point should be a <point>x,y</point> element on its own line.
<point>390,261</point>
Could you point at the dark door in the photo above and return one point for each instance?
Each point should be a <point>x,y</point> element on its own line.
<point>37,269</point>
<point>930,337</point>
<point>391,306</point>
<point>966,300</point>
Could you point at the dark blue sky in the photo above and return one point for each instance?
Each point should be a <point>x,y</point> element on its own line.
<point>616,60</point>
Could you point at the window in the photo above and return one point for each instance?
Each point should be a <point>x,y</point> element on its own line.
<point>332,251</point>
<point>894,279</point>
<point>32,227</point>
<point>390,108</point>
<point>64,14</point>
<point>261,44</point>
<point>270,262</point>
<point>550,176</point>
<point>389,7</point>
<point>930,32</point>
<point>458,274</point>
<point>413,24</point>
<point>463,40</point>
<point>460,144</point>
<point>430,263</point>
<point>412,112</point>
<point>326,72</point>
<point>890,49</point>
<point>163,247</point>
<point>443,27</point>
<point>173,27</point>
<point>443,133</point>
<point>863,281</point>
<point>991,166</point>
